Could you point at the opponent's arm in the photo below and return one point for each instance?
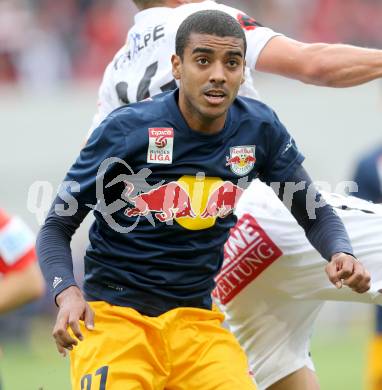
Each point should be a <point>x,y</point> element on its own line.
<point>20,287</point>
<point>326,232</point>
<point>331,65</point>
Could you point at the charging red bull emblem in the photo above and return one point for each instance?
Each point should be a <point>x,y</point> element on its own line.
<point>193,202</point>
<point>168,201</point>
<point>242,159</point>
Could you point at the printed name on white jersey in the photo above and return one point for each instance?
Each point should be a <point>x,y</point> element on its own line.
<point>139,41</point>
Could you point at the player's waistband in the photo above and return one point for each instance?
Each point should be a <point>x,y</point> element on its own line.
<point>151,304</point>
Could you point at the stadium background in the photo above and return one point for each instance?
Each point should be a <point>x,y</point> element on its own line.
<point>52,54</point>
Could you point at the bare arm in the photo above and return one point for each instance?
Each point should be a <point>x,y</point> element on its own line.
<point>331,65</point>
<point>20,287</point>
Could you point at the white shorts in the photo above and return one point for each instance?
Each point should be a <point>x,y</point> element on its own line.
<point>273,315</point>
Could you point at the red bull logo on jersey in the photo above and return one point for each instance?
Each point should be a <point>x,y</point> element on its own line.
<point>247,253</point>
<point>161,144</point>
<point>168,202</point>
<point>241,159</point>
<point>194,203</point>
<point>222,201</point>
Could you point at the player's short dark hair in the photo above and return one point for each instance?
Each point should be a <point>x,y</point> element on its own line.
<point>211,22</point>
<point>142,4</point>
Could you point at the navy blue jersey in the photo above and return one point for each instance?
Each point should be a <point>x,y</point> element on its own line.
<point>164,203</point>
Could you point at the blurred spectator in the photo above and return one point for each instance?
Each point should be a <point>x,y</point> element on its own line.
<point>44,42</point>
<point>350,21</point>
<point>103,34</point>
<point>14,22</point>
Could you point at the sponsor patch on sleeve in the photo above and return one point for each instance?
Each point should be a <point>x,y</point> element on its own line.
<point>247,253</point>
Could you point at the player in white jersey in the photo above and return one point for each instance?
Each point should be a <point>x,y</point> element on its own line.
<point>142,68</point>
<point>273,285</point>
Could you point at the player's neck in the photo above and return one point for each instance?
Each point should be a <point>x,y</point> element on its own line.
<point>197,121</point>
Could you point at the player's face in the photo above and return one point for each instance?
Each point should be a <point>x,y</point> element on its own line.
<point>210,76</point>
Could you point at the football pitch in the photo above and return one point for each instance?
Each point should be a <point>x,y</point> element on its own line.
<point>339,357</point>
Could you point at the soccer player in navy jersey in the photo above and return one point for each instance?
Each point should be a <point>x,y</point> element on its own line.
<point>171,170</point>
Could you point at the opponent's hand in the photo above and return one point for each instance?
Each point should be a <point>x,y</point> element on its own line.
<point>345,269</point>
<point>72,308</point>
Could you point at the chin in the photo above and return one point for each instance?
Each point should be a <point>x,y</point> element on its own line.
<point>215,113</point>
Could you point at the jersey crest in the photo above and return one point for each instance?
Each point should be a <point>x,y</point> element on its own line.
<point>241,159</point>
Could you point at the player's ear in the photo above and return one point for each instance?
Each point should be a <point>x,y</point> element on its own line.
<point>176,66</point>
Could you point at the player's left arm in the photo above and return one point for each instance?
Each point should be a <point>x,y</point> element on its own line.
<point>332,65</point>
<point>325,231</point>
<point>280,164</point>
<point>20,287</point>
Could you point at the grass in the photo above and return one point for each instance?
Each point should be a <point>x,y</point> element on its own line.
<point>339,358</point>
<point>37,366</point>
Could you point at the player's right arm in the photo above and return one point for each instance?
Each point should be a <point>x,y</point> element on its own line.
<point>70,207</point>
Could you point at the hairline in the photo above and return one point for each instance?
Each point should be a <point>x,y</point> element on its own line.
<point>240,52</point>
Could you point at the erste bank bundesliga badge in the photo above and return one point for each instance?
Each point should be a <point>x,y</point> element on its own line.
<point>241,159</point>
<point>161,143</point>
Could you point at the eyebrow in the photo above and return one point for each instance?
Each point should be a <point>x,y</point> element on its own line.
<point>206,50</point>
<point>235,53</point>
<point>202,50</point>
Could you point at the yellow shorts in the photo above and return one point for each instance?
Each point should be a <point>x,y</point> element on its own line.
<point>183,349</point>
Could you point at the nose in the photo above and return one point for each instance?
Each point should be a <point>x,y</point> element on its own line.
<point>217,75</point>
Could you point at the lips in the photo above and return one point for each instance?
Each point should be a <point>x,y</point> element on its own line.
<point>215,96</point>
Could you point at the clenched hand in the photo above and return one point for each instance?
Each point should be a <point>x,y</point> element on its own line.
<point>347,270</point>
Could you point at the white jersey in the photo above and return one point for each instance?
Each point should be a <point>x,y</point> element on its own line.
<point>273,282</point>
<point>142,68</point>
